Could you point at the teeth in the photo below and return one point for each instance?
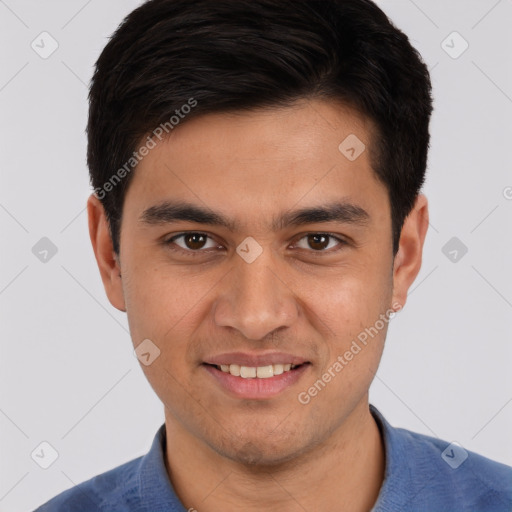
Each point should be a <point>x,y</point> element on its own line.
<point>247,372</point>
<point>260,372</point>
<point>264,372</point>
<point>278,369</point>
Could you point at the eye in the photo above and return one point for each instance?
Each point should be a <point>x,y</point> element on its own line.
<point>319,242</point>
<point>191,242</point>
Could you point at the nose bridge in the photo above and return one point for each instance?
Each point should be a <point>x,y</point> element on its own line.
<point>255,299</point>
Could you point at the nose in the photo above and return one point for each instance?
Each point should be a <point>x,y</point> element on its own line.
<point>255,299</point>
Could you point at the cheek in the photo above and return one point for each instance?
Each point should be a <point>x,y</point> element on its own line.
<point>158,301</point>
<point>162,310</point>
<point>351,306</point>
<point>354,346</point>
<point>348,299</point>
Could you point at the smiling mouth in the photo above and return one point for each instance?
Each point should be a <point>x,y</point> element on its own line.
<point>257,372</point>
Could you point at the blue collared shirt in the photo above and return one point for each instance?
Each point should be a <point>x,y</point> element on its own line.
<point>422,474</point>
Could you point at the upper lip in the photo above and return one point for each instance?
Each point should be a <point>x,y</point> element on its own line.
<point>254,360</point>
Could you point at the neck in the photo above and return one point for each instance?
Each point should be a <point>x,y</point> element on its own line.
<point>345,472</point>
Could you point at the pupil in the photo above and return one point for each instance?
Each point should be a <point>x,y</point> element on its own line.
<point>318,240</point>
<point>192,241</point>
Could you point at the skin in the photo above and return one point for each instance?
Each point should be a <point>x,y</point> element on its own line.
<point>225,453</point>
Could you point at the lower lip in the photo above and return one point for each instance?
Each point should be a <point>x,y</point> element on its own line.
<point>255,388</point>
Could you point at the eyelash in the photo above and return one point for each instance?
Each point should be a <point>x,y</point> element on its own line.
<point>189,252</point>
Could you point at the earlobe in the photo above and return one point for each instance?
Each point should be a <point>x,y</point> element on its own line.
<point>408,259</point>
<point>106,259</point>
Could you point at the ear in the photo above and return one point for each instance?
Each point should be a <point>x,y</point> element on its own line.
<point>108,261</point>
<point>407,261</point>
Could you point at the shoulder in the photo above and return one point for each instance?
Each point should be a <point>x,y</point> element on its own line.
<point>461,472</point>
<point>96,494</point>
<point>425,473</point>
<point>141,484</point>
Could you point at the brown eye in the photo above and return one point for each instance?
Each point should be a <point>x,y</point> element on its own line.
<point>318,242</point>
<point>191,242</point>
<point>194,240</point>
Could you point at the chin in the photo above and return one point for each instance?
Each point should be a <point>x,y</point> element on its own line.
<point>249,455</point>
<point>262,453</point>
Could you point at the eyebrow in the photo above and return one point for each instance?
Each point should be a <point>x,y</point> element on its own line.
<point>168,212</point>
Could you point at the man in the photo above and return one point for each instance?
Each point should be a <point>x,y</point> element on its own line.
<point>257,167</point>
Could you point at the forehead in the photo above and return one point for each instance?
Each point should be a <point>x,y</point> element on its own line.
<point>248,163</point>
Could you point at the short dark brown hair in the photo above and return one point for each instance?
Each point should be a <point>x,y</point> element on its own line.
<point>225,55</point>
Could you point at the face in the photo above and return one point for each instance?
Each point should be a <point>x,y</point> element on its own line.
<point>288,261</point>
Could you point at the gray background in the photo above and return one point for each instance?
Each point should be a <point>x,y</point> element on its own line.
<point>68,374</point>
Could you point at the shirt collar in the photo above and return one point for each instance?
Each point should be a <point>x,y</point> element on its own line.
<point>156,491</point>
<point>399,487</point>
<point>157,494</point>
